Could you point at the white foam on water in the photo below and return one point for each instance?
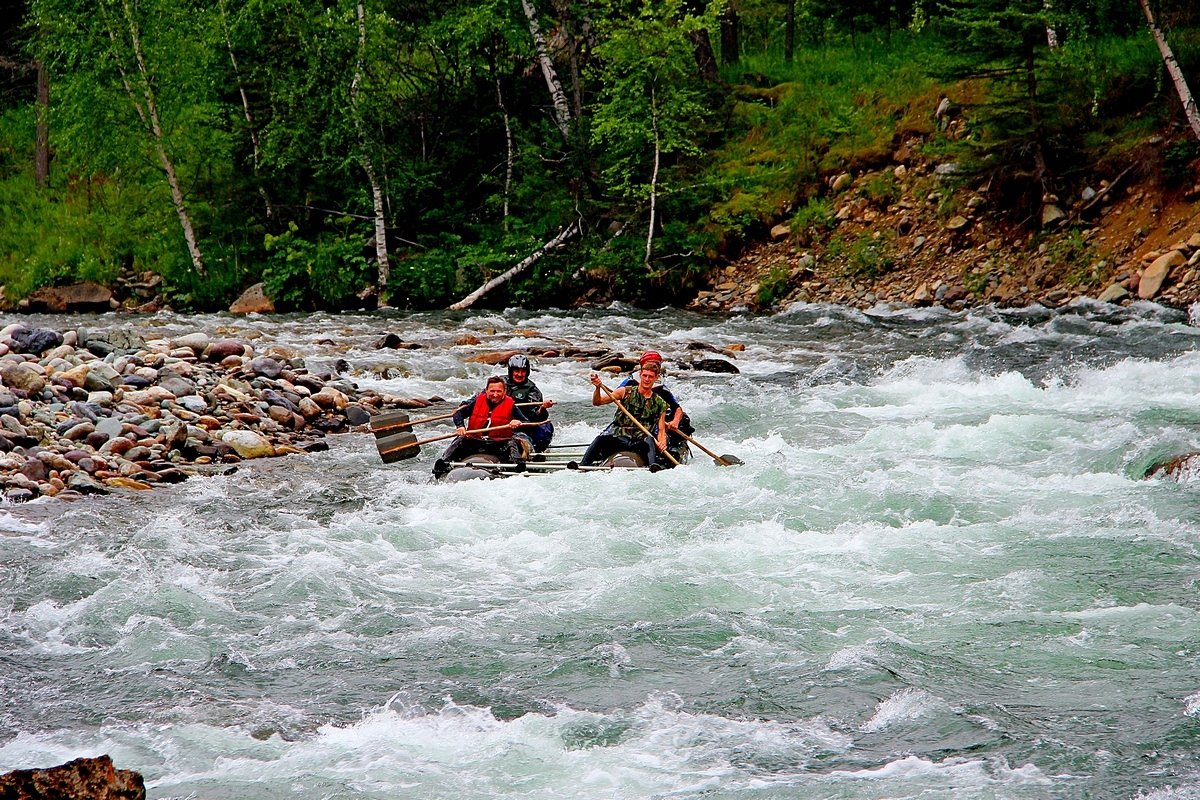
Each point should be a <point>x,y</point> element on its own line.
<point>903,511</point>
<point>905,706</point>
<point>462,751</point>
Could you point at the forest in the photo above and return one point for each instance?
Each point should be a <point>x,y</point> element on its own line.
<point>363,153</point>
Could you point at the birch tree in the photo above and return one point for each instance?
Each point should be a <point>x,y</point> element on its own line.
<point>558,98</point>
<point>650,108</point>
<point>130,88</point>
<point>1172,65</point>
<point>368,164</point>
<point>138,79</point>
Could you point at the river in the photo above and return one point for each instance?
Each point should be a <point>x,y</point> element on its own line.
<point>938,574</point>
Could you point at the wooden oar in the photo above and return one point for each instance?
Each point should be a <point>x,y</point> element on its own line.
<point>721,461</point>
<point>400,446</point>
<point>532,467</point>
<point>641,427</point>
<point>392,421</point>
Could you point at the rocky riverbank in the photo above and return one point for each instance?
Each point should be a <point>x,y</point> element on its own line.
<point>84,413</point>
<point>913,234</point>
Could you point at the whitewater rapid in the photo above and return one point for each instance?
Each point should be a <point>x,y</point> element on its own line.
<point>938,574</point>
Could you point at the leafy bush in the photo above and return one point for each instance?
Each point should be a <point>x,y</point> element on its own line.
<point>867,256</point>
<point>881,189</point>
<point>813,221</point>
<point>1074,257</point>
<point>975,277</point>
<point>1179,159</point>
<point>773,285</point>
<point>330,268</point>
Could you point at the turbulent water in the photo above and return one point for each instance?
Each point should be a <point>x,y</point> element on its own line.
<point>939,574</point>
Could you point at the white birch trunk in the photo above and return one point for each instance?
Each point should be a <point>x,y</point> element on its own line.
<point>531,259</point>
<point>653,176</point>
<point>150,117</point>
<point>381,249</point>
<point>562,112</point>
<point>1168,57</point>
<point>508,158</point>
<point>237,73</point>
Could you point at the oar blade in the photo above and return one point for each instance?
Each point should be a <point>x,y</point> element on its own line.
<point>389,422</point>
<point>726,460</point>
<point>397,446</point>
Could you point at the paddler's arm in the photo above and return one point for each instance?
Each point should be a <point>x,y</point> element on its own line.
<point>462,415</point>
<point>662,431</point>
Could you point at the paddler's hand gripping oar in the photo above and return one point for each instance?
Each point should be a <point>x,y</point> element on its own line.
<point>635,421</point>
<point>393,421</point>
<point>400,446</point>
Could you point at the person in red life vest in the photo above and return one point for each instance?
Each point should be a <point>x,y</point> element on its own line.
<point>492,408</point>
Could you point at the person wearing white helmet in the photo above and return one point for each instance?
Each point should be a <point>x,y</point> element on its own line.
<point>522,390</point>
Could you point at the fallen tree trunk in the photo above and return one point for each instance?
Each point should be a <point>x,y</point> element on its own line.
<point>555,243</point>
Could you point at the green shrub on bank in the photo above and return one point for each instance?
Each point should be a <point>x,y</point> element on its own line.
<point>330,268</point>
<point>833,108</point>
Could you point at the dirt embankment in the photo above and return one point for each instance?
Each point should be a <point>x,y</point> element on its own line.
<point>912,233</point>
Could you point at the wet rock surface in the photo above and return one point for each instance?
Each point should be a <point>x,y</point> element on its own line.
<point>88,414</point>
<point>81,779</point>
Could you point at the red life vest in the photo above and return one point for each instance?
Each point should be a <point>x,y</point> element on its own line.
<point>483,416</point>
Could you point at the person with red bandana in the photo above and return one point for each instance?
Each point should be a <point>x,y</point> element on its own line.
<point>644,405</point>
<point>677,418</point>
<point>492,408</point>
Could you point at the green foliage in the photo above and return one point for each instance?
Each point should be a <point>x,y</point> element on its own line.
<point>651,106</point>
<point>773,285</point>
<point>329,268</point>
<point>438,89</point>
<point>1075,258</point>
<point>881,189</point>
<point>834,106</point>
<point>813,221</point>
<point>1179,161</point>
<point>975,277</point>
<point>867,256</point>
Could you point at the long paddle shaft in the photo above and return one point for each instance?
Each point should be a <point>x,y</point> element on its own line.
<point>439,438</point>
<point>404,423</point>
<point>403,445</point>
<point>724,461</point>
<point>641,427</point>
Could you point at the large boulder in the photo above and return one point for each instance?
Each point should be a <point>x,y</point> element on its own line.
<point>248,444</point>
<point>78,297</point>
<point>81,779</point>
<point>1156,274</point>
<point>34,341</point>
<point>253,301</point>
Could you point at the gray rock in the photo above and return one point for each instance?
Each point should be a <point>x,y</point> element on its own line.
<point>110,427</point>
<point>85,484</point>
<point>264,366</point>
<point>194,403</point>
<point>35,341</point>
<point>175,383</point>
